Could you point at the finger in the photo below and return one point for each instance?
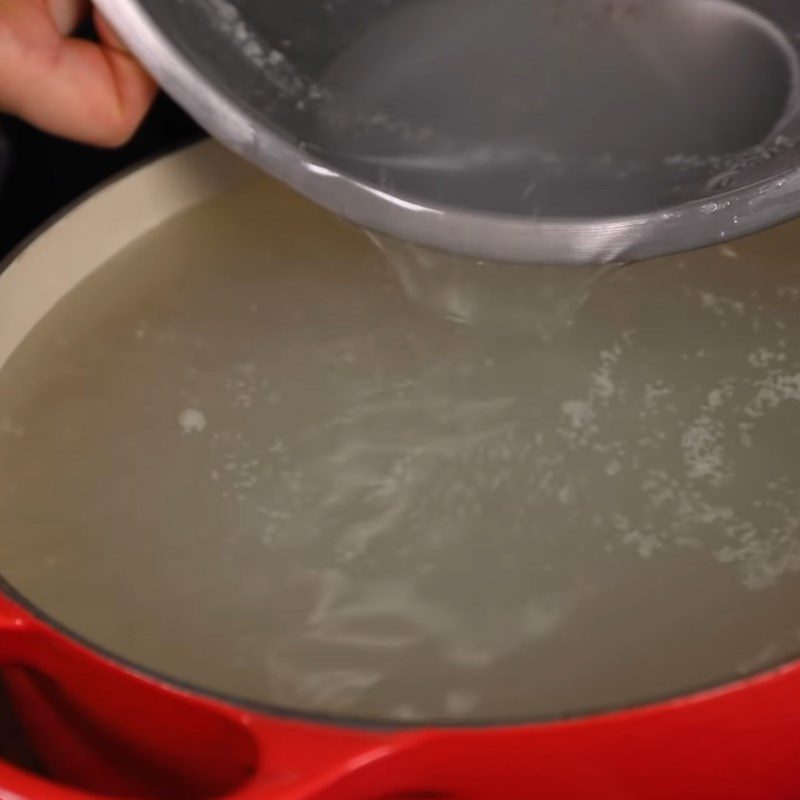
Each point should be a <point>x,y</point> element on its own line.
<point>107,34</point>
<point>135,89</point>
<point>94,93</point>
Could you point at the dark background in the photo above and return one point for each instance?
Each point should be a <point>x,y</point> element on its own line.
<point>40,174</point>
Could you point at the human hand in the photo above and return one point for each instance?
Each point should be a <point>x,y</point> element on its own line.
<point>92,92</point>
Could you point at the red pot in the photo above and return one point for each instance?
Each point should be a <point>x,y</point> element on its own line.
<point>100,728</point>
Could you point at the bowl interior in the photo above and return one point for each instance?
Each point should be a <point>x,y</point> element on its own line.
<point>553,109</point>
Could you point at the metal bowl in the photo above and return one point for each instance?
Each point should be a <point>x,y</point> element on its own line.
<point>554,131</point>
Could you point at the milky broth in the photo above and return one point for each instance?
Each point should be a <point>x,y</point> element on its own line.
<point>267,454</point>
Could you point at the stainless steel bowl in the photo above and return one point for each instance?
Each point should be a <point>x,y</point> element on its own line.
<point>554,131</point>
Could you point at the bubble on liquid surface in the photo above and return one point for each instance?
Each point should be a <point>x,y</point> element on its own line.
<point>192,420</point>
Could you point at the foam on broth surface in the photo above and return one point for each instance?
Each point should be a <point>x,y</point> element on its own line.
<point>261,453</point>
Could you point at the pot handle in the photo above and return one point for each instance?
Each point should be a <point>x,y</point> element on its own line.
<point>102,730</point>
<point>307,762</point>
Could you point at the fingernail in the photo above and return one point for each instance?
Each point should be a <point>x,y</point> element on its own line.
<point>67,14</point>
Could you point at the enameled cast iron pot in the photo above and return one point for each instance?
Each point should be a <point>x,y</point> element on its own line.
<point>103,728</point>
